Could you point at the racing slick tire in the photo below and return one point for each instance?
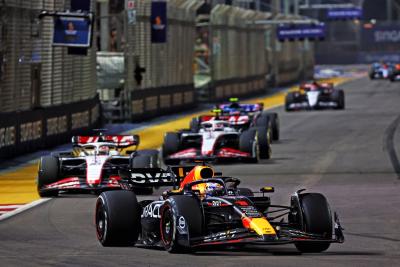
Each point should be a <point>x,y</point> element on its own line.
<point>154,157</point>
<point>48,174</point>
<point>117,218</point>
<point>289,99</point>
<point>317,219</point>
<point>248,142</point>
<point>265,120</point>
<point>182,212</point>
<point>338,97</point>
<point>170,146</point>
<point>264,142</point>
<point>274,119</point>
<point>194,125</point>
<point>140,162</point>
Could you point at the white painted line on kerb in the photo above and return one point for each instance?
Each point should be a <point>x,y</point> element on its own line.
<point>23,208</point>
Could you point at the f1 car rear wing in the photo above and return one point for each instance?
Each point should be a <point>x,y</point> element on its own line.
<point>149,177</point>
<point>121,141</point>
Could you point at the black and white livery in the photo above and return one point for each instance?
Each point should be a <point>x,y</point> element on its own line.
<point>315,96</point>
<point>218,140</point>
<point>93,165</point>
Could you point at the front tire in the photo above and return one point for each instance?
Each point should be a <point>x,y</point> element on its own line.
<point>248,142</point>
<point>183,212</point>
<point>317,219</point>
<point>117,218</point>
<point>48,174</point>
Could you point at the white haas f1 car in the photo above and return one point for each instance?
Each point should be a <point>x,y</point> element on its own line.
<point>207,209</point>
<point>242,117</point>
<point>93,165</point>
<point>315,96</point>
<point>216,140</point>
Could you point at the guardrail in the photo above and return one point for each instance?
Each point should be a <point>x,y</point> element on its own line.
<point>27,131</point>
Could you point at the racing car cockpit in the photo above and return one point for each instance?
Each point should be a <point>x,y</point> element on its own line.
<point>97,149</point>
<point>201,182</point>
<point>216,126</point>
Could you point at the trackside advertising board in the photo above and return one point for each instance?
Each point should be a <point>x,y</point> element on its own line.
<point>382,34</point>
<point>344,13</point>
<point>72,31</point>
<point>301,31</point>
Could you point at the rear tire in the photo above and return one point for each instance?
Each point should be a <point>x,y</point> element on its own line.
<point>154,157</point>
<point>48,174</point>
<point>171,144</point>
<point>249,143</point>
<point>317,219</point>
<point>117,218</point>
<point>172,211</point>
<point>140,162</point>
<point>194,125</point>
<point>275,125</point>
<point>289,99</point>
<point>264,142</point>
<point>338,97</point>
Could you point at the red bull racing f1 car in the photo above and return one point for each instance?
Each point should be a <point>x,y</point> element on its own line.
<point>206,209</point>
<point>92,165</point>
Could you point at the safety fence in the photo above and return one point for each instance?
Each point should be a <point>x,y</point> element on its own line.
<point>167,77</point>
<point>34,73</point>
<point>46,92</point>
<point>237,56</point>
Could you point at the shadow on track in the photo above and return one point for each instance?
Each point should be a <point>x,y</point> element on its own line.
<point>263,251</point>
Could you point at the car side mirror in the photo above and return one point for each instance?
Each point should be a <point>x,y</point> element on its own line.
<point>267,189</point>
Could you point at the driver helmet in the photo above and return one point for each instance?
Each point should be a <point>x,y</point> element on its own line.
<point>213,189</point>
<point>104,150</point>
<point>219,126</point>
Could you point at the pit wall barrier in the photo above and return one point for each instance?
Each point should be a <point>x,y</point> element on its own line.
<point>28,131</point>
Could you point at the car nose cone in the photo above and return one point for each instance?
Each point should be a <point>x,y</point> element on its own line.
<point>312,98</point>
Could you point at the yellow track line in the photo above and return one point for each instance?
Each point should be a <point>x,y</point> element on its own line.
<point>19,186</point>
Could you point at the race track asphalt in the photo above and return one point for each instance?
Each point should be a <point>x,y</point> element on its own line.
<point>351,156</point>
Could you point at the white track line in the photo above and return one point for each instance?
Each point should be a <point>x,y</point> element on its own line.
<point>23,208</point>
